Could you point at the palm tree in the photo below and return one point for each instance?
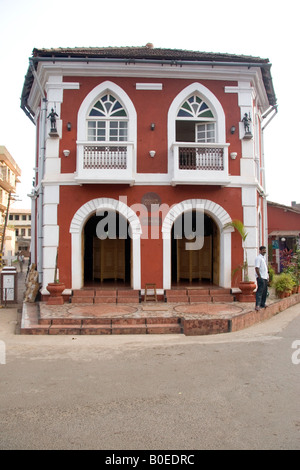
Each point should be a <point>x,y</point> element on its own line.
<point>239,226</point>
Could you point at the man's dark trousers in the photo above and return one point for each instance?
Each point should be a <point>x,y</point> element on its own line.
<point>261,293</point>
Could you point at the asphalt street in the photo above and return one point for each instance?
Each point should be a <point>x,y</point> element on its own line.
<point>228,391</point>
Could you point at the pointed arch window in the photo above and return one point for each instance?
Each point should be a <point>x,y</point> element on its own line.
<point>107,120</point>
<point>195,121</point>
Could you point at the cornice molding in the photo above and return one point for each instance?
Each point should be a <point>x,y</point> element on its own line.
<point>98,69</point>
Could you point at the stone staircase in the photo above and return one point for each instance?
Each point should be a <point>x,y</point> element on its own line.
<point>107,326</point>
<point>100,296</point>
<point>182,295</point>
<point>192,295</point>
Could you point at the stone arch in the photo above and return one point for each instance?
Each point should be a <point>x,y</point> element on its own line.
<point>209,97</point>
<point>76,227</point>
<point>106,86</point>
<point>220,217</point>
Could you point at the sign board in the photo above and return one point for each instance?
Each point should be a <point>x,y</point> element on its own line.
<point>9,291</point>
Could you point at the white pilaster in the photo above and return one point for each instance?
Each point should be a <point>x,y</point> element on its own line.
<point>50,233</point>
<point>250,219</point>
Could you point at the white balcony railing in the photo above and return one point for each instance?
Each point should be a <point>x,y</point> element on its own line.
<point>105,162</point>
<point>196,163</point>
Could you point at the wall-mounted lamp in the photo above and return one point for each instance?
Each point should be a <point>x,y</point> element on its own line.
<point>232,129</point>
<point>152,127</point>
<point>66,153</point>
<point>152,153</point>
<point>233,155</point>
<point>69,126</point>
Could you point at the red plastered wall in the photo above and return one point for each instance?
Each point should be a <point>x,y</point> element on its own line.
<point>151,107</point>
<point>73,197</point>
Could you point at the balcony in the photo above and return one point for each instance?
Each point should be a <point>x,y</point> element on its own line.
<point>205,164</point>
<point>107,162</point>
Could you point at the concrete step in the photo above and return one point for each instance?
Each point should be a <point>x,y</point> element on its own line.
<point>99,296</point>
<point>194,295</point>
<point>99,299</point>
<point>199,295</point>
<point>200,298</point>
<point>164,325</point>
<point>176,295</point>
<point>107,326</point>
<point>128,326</point>
<point>106,292</point>
<point>128,296</point>
<point>219,291</point>
<point>197,292</point>
<point>223,298</point>
<point>82,300</point>
<point>83,296</point>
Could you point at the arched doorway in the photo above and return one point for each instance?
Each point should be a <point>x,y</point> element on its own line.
<point>220,218</point>
<point>82,215</point>
<point>199,265</point>
<point>107,250</point>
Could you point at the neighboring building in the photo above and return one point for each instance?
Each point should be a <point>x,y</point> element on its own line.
<point>9,177</point>
<point>20,221</point>
<point>121,129</point>
<point>295,205</point>
<point>284,231</point>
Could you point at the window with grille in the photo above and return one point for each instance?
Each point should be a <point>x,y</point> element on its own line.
<point>107,120</point>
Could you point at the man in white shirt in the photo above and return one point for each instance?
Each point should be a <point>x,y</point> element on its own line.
<point>262,277</point>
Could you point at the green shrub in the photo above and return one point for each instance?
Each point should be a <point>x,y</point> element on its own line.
<point>271,274</point>
<point>283,283</point>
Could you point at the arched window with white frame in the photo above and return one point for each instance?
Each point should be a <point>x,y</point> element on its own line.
<point>198,152</point>
<point>106,136</point>
<point>195,121</point>
<point>107,120</point>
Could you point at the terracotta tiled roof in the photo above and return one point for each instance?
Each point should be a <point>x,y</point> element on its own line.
<point>150,53</point>
<point>146,52</point>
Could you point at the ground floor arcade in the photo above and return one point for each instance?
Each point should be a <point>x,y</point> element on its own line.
<point>169,236</point>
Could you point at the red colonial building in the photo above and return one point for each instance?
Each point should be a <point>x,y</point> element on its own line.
<point>139,150</point>
<point>283,230</point>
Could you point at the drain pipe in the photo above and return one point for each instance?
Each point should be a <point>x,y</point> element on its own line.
<point>41,166</point>
<point>273,108</point>
<point>264,196</point>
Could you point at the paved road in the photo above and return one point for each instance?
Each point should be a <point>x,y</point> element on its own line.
<point>232,391</point>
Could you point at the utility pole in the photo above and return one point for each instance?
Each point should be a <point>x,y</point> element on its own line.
<point>10,197</point>
<point>5,224</point>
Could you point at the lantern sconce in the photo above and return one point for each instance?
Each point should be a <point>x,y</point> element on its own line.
<point>66,153</point>
<point>152,127</point>
<point>152,153</point>
<point>232,129</point>
<point>69,126</point>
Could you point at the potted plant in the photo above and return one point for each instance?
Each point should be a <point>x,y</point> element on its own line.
<point>283,284</point>
<point>291,265</point>
<point>55,288</point>
<point>246,286</point>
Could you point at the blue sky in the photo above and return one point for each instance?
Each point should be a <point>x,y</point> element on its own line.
<point>267,29</point>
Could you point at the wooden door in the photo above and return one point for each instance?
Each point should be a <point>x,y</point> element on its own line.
<point>205,259</point>
<point>194,264</point>
<point>109,259</point>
